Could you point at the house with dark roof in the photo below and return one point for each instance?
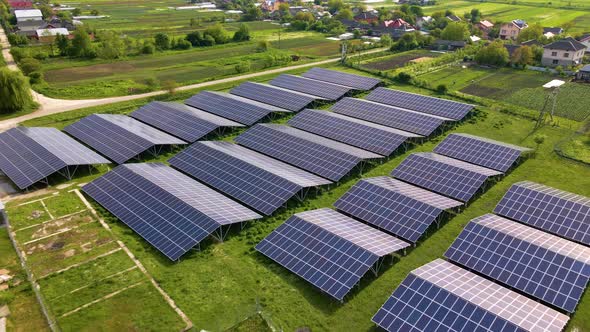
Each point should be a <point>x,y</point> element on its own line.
<point>584,74</point>
<point>564,52</point>
<point>512,29</point>
<point>454,18</point>
<point>585,39</point>
<point>552,32</point>
<point>447,45</point>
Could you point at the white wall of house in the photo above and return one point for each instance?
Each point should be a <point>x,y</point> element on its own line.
<point>554,58</point>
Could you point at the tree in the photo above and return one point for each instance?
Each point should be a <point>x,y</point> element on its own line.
<point>242,67</point>
<point>15,91</point>
<point>81,44</point>
<point>182,44</point>
<point>76,12</point>
<point>335,5</point>
<point>162,41</point>
<point>533,32</point>
<point>148,48</point>
<point>29,65</point>
<point>455,31</point>
<point>284,9</point>
<point>522,56</point>
<point>243,33</point>
<point>263,45</point>
<point>252,13</point>
<point>416,11</point>
<point>94,12</point>
<point>494,54</point>
<point>344,14</point>
<point>111,45</point>
<point>539,139</point>
<point>218,33</point>
<point>46,11</point>
<point>386,40</point>
<point>304,16</point>
<point>475,15</point>
<point>170,86</point>
<point>195,38</point>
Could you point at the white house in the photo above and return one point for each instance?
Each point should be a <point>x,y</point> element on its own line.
<point>564,52</point>
<point>50,34</point>
<point>27,15</point>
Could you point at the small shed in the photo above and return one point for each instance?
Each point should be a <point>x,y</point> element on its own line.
<point>48,35</point>
<point>584,74</point>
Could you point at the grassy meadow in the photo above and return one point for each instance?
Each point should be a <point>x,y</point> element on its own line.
<point>224,283</point>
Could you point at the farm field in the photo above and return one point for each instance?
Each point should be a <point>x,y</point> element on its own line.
<point>393,61</point>
<point>518,87</point>
<point>69,78</point>
<point>224,283</point>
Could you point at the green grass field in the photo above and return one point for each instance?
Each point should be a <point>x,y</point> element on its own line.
<point>396,60</point>
<point>223,284</point>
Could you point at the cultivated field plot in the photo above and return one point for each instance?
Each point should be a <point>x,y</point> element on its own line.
<point>518,87</point>
<point>85,277</point>
<point>394,61</point>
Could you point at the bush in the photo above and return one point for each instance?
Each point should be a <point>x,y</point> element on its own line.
<point>36,77</point>
<point>183,44</point>
<point>170,86</point>
<point>19,53</point>
<point>243,67</point>
<point>148,48</point>
<point>263,46</point>
<point>441,89</point>
<point>29,65</point>
<point>41,56</point>
<point>403,77</point>
<point>15,91</point>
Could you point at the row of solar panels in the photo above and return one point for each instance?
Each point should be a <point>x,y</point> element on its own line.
<point>500,267</point>
<point>31,155</point>
<point>401,209</point>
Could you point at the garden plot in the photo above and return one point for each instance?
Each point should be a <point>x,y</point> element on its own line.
<point>394,61</point>
<point>84,274</point>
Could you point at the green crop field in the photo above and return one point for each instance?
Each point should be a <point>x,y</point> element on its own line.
<point>224,283</point>
<point>396,60</point>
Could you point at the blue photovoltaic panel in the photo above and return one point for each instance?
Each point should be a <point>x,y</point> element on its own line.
<point>29,155</point>
<point>415,122</point>
<point>184,122</point>
<point>328,249</point>
<point>480,151</point>
<point>537,263</point>
<point>356,82</point>
<point>313,153</point>
<point>441,296</point>
<point>259,181</point>
<point>362,134</point>
<point>444,175</point>
<point>236,108</point>
<point>395,206</point>
<point>431,105</point>
<point>168,209</point>
<point>118,137</point>
<point>272,95</point>
<point>552,210</point>
<point>312,87</point>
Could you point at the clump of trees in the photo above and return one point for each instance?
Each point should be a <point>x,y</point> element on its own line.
<point>412,41</point>
<point>494,54</point>
<point>15,91</point>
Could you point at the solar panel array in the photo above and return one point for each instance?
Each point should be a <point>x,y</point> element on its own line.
<point>480,151</point>
<point>444,175</point>
<point>313,153</point>
<point>184,122</point>
<point>362,134</point>
<point>537,263</point>
<point>415,122</point>
<point>236,108</point>
<point>248,176</point>
<point>553,210</point>
<point>328,249</point>
<point>441,296</point>
<point>29,155</point>
<point>357,82</point>
<point>272,95</point>
<point>395,206</point>
<point>435,106</point>
<point>118,137</point>
<point>312,87</point>
<point>168,209</point>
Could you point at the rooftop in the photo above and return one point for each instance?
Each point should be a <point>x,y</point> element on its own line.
<point>567,44</point>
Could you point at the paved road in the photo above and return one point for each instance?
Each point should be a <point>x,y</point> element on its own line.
<point>54,106</point>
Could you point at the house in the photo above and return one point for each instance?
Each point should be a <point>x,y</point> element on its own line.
<point>454,18</point>
<point>485,26</point>
<point>19,5</point>
<point>28,21</point>
<point>531,43</point>
<point>48,35</point>
<point>583,74</point>
<point>398,24</point>
<point>512,30</point>
<point>423,21</point>
<point>564,52</point>
<point>552,32</point>
<point>585,39</point>
<point>450,45</point>
<point>369,17</point>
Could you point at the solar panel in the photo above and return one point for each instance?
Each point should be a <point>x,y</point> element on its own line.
<point>313,153</point>
<point>168,209</point>
<point>313,87</point>
<point>552,210</point>
<point>444,175</point>
<point>29,155</point>
<point>480,151</point>
<point>357,82</point>
<point>431,105</point>
<point>328,249</point>
<point>272,95</point>
<point>395,206</point>
<point>248,176</point>
<point>414,122</point>
<point>118,137</point>
<point>242,110</point>
<point>362,134</point>
<point>184,122</point>
<point>441,296</point>
<point>535,262</point>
